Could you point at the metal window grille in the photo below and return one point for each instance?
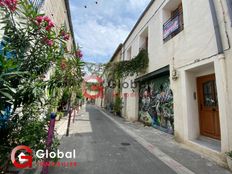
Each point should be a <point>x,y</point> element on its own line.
<point>174,25</point>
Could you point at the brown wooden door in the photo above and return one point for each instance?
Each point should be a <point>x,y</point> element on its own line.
<point>208,107</point>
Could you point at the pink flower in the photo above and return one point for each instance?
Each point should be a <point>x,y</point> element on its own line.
<point>47,19</point>
<point>62,33</point>
<point>51,24</point>
<point>11,4</point>
<point>48,28</point>
<point>49,42</point>
<point>79,54</point>
<point>1,3</point>
<point>39,19</point>
<point>66,37</point>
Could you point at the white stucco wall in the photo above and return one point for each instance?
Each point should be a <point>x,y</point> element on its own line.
<point>184,87</point>
<point>226,32</point>
<point>57,11</point>
<point>197,40</point>
<point>193,53</point>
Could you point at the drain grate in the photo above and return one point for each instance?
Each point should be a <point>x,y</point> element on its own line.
<point>125,144</point>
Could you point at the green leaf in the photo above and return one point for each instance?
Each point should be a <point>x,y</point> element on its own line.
<point>7,95</point>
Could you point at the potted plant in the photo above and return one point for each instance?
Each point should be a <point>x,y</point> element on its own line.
<point>229,159</point>
<point>118,106</point>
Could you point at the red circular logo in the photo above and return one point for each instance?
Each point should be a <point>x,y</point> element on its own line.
<point>96,87</point>
<point>24,160</point>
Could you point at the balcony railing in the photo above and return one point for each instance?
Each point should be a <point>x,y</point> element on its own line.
<point>173,26</point>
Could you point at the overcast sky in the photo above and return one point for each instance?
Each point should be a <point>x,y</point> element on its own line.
<point>101,27</point>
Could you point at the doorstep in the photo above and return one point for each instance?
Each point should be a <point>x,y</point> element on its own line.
<point>208,148</point>
<point>209,142</point>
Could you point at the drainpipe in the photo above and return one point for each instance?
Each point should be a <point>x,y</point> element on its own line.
<point>216,27</point>
<point>225,146</point>
<point>229,4</point>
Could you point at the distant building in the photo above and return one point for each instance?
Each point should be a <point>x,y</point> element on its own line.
<point>112,85</point>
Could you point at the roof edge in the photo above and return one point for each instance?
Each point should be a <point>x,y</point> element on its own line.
<point>70,21</point>
<point>116,51</point>
<point>139,20</point>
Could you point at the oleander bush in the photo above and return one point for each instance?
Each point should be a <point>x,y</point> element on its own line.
<point>30,47</point>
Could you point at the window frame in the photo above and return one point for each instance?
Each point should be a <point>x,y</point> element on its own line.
<point>178,12</point>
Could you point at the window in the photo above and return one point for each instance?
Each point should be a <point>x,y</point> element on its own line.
<point>174,25</point>
<point>128,54</point>
<point>210,93</point>
<point>143,40</point>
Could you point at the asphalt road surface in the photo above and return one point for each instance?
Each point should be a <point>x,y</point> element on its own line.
<point>103,148</point>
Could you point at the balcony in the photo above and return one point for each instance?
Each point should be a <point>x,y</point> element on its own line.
<point>173,26</point>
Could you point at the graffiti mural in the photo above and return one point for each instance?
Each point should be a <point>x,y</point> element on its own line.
<point>156,104</point>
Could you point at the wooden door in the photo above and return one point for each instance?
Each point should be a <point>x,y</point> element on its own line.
<point>208,107</point>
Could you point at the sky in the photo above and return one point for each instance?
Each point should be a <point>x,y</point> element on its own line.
<point>101,27</point>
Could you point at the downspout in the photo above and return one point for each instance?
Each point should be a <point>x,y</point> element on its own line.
<point>225,145</point>
<point>216,27</point>
<point>229,4</point>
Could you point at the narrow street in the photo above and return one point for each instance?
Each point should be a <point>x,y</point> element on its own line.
<point>103,147</point>
<point>115,87</point>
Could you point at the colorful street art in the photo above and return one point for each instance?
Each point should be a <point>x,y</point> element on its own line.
<point>156,104</point>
